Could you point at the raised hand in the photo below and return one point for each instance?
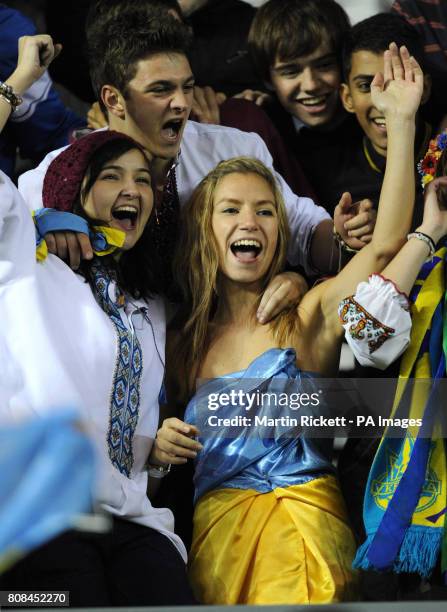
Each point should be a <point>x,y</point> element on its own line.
<point>35,55</point>
<point>398,91</point>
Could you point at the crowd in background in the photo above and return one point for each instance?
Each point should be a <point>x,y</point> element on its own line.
<point>294,83</point>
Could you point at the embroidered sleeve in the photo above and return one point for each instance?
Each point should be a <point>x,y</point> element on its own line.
<point>377,322</point>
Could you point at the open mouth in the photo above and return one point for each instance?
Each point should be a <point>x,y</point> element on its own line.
<point>314,104</point>
<point>380,122</point>
<point>313,101</point>
<point>126,216</point>
<point>171,129</point>
<point>246,251</point>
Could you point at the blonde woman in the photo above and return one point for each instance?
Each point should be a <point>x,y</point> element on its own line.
<point>269,521</point>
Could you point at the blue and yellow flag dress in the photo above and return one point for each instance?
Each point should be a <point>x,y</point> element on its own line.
<point>269,524</point>
<point>405,501</point>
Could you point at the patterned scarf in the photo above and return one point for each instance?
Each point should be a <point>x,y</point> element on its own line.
<point>405,501</point>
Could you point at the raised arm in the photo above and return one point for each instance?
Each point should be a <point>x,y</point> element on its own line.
<point>397,94</point>
<point>35,55</point>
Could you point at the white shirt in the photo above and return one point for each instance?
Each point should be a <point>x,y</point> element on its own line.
<point>203,147</point>
<point>63,350</point>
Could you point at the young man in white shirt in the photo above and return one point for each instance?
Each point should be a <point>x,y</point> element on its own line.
<point>140,71</point>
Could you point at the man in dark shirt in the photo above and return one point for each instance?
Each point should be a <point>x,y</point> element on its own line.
<point>360,168</point>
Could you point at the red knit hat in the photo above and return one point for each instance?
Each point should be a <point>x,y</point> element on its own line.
<point>64,175</point>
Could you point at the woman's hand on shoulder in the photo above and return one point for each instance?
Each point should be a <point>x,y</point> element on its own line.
<point>175,443</point>
<point>284,291</point>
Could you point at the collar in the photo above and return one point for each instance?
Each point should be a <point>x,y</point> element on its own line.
<point>377,162</point>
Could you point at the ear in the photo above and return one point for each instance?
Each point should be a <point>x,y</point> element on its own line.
<point>426,93</point>
<point>346,98</point>
<point>113,101</point>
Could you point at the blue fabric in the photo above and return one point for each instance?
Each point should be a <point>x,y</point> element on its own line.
<point>51,220</point>
<point>393,541</point>
<point>46,478</point>
<point>257,457</point>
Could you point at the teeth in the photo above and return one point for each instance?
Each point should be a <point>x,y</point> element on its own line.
<point>380,122</point>
<point>312,101</point>
<point>126,208</point>
<point>254,243</point>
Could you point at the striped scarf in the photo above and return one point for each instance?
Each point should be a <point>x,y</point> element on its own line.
<point>405,501</point>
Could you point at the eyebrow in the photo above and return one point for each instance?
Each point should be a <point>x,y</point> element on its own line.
<point>363,77</point>
<point>236,201</point>
<point>167,83</point>
<point>117,167</point>
<point>297,62</point>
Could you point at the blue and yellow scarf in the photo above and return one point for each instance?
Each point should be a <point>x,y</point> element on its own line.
<point>104,239</point>
<point>405,501</point>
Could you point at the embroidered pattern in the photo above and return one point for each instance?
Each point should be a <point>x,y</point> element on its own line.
<point>125,395</point>
<point>363,325</point>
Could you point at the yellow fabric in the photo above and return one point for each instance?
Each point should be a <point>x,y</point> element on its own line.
<point>290,546</point>
<point>115,238</point>
<point>42,251</point>
<point>432,499</point>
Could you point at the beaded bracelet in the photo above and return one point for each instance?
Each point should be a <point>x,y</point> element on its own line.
<point>7,94</point>
<point>425,238</point>
<point>342,244</point>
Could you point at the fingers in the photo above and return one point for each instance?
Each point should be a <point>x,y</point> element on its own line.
<point>175,442</point>
<point>285,291</point>
<point>417,72</point>
<point>51,243</point>
<point>378,82</point>
<point>74,252</point>
<point>95,117</point>
<point>85,246</point>
<point>61,245</point>
<point>253,95</point>
<point>57,50</point>
<point>387,67</point>
<point>220,97</point>
<point>273,302</point>
<point>345,203</point>
<point>365,205</point>
<point>205,106</point>
<point>362,223</point>
<point>79,247</point>
<point>212,105</point>
<point>396,63</point>
<point>69,246</point>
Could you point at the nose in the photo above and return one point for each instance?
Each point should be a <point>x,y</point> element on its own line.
<point>179,101</point>
<point>309,80</point>
<point>248,220</point>
<point>130,189</point>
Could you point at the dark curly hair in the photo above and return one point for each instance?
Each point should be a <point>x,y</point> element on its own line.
<point>122,32</point>
<point>376,33</point>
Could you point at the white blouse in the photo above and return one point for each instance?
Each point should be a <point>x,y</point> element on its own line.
<point>65,351</point>
<point>377,322</point>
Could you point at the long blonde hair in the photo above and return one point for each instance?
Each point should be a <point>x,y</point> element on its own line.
<point>196,265</point>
